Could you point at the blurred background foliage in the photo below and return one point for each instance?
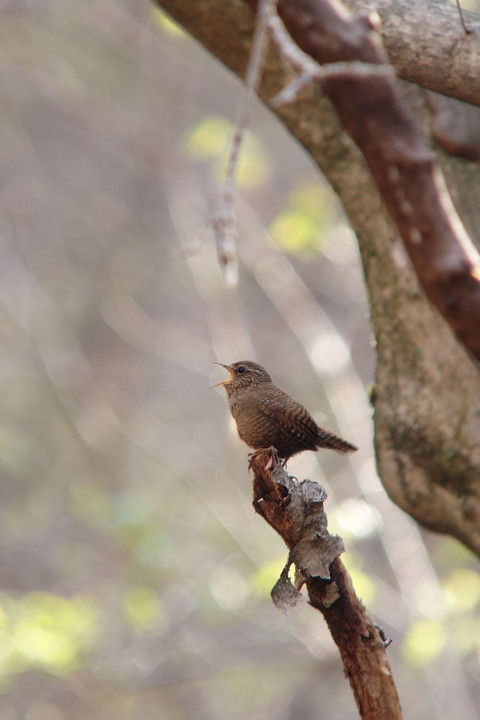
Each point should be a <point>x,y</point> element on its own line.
<point>134,574</point>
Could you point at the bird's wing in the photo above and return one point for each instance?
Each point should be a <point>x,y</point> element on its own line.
<point>289,415</point>
<point>292,419</point>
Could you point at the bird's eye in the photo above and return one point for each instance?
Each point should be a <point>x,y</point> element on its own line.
<point>241,369</point>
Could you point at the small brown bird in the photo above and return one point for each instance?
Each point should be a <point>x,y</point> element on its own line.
<point>267,416</point>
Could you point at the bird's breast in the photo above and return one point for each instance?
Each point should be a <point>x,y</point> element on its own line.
<point>254,426</point>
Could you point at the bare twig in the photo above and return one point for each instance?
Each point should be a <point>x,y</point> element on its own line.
<point>326,72</point>
<point>224,223</point>
<point>296,512</point>
<point>308,70</point>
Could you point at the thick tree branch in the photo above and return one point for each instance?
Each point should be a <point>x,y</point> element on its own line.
<point>372,112</point>
<point>295,511</point>
<point>426,44</point>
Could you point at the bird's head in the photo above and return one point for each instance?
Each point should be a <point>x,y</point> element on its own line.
<point>243,374</point>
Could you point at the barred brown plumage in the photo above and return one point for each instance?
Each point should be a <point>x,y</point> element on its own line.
<point>265,415</point>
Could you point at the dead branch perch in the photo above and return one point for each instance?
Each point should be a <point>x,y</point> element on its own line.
<point>295,511</point>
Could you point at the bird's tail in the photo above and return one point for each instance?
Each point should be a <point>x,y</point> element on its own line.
<point>329,440</point>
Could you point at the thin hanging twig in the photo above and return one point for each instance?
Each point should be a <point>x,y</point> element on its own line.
<point>224,223</point>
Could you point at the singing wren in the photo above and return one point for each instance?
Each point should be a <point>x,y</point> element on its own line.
<point>267,416</point>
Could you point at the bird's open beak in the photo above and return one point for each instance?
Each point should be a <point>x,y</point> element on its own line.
<point>225,382</point>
